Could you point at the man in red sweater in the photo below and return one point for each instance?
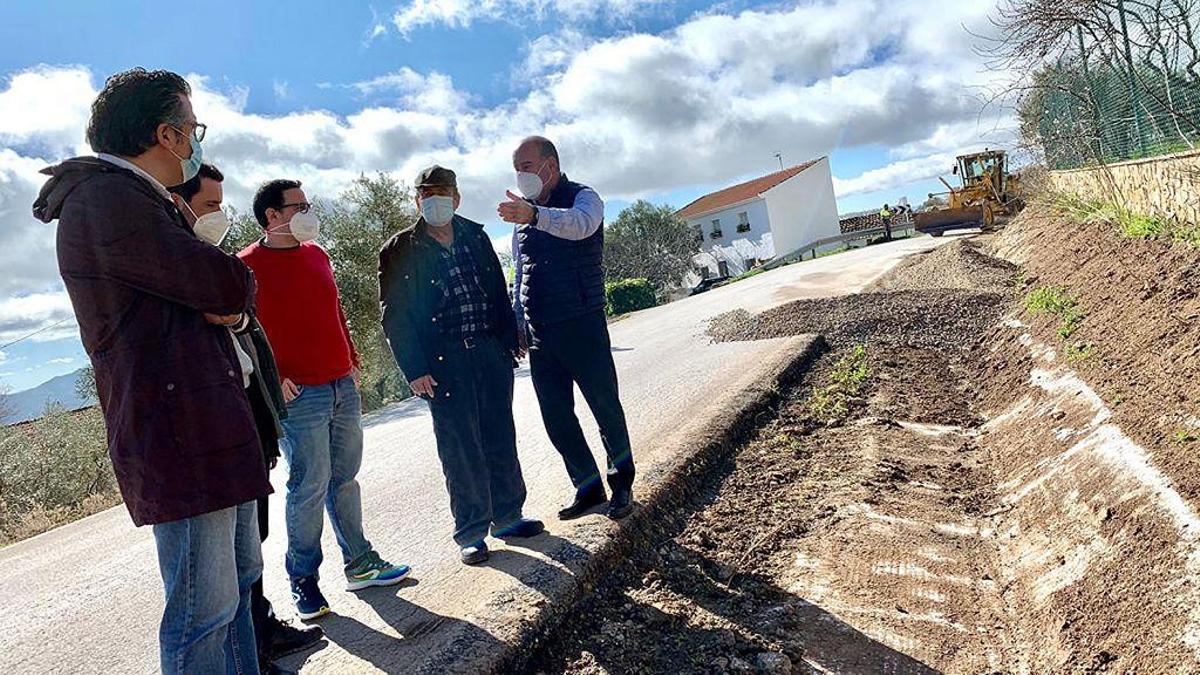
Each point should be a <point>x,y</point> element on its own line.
<point>299,308</point>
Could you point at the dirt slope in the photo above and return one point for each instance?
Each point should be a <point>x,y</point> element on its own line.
<point>1142,314</point>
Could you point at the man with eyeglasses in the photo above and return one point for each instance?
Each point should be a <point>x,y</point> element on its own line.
<point>152,301</point>
<point>299,308</point>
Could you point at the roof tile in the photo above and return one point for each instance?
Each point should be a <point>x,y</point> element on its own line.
<point>741,192</point>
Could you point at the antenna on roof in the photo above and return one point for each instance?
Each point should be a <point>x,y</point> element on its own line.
<point>779,156</point>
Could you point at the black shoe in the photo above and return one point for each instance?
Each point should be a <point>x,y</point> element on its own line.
<point>288,639</point>
<point>474,554</point>
<point>584,503</point>
<point>621,503</point>
<point>524,527</point>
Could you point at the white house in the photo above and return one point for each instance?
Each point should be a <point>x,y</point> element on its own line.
<point>749,223</point>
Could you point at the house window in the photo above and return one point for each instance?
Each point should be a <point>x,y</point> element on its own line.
<point>716,229</point>
<point>722,268</point>
<point>743,222</point>
<point>699,234</point>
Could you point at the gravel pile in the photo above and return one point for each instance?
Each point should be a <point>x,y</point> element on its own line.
<point>959,265</point>
<point>929,318</point>
<point>948,296</point>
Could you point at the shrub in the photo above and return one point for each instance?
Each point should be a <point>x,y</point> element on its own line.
<point>53,469</point>
<point>629,295</point>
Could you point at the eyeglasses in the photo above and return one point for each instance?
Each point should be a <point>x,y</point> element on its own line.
<point>198,132</point>
<point>301,207</point>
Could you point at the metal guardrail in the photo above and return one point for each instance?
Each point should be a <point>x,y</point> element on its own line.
<point>812,247</point>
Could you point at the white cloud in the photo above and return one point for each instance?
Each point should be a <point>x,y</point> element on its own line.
<point>463,13</point>
<point>633,115</point>
<point>895,175</point>
<point>281,89</point>
<point>47,312</point>
<point>61,361</point>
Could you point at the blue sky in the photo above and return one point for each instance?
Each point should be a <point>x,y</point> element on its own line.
<point>646,99</point>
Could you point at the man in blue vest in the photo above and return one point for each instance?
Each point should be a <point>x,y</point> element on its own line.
<point>558,250</point>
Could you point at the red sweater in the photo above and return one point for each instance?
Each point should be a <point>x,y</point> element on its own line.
<point>298,306</point>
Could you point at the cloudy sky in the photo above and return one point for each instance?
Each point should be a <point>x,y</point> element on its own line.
<point>645,99</point>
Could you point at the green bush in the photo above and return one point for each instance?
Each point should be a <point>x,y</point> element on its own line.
<point>629,295</point>
<point>53,470</point>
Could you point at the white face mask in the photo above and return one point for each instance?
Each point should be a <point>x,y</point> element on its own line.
<point>531,184</point>
<point>437,210</point>
<point>212,227</point>
<point>302,226</point>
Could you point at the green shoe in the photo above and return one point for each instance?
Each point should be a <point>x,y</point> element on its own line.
<point>371,570</point>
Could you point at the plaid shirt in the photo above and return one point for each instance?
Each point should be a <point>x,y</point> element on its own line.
<point>464,312</point>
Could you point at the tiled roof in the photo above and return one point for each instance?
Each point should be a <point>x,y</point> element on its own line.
<point>715,201</point>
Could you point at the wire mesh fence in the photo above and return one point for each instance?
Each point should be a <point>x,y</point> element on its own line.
<point>1127,86</point>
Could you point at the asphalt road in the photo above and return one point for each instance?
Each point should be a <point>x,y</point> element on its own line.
<point>86,598</point>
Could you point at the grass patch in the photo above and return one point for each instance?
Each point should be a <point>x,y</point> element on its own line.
<point>1130,224</point>
<point>1137,226</point>
<point>745,275</point>
<point>832,402</point>
<point>1184,436</point>
<point>1055,300</point>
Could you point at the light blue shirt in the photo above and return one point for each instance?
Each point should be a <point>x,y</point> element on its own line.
<point>577,223</point>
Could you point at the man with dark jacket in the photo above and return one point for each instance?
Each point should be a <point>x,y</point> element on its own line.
<point>200,200</point>
<point>447,318</point>
<point>153,302</point>
<point>558,250</point>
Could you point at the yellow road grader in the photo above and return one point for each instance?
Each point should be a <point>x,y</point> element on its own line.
<point>988,193</point>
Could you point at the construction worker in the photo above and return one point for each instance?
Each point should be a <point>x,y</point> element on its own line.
<point>885,215</point>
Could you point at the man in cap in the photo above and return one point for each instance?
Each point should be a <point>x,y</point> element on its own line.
<point>447,318</point>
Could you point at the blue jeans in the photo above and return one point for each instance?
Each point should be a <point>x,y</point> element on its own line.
<point>323,444</point>
<point>208,564</point>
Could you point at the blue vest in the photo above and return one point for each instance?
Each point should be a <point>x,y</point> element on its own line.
<point>560,279</point>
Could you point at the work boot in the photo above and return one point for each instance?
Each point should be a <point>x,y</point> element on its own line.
<point>621,503</point>
<point>584,503</point>
<point>288,639</point>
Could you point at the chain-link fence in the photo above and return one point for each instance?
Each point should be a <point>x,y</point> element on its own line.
<point>1125,85</point>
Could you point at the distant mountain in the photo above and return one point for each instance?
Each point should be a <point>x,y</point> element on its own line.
<point>30,403</point>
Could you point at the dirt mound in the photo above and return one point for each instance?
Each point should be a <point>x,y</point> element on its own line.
<point>927,318</point>
<point>958,265</point>
<point>1139,310</point>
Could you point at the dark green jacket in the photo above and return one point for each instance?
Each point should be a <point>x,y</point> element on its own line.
<point>412,291</point>
<point>253,340</point>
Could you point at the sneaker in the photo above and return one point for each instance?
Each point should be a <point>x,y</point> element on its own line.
<point>474,554</point>
<point>371,570</point>
<point>524,527</point>
<point>310,602</point>
<point>288,639</point>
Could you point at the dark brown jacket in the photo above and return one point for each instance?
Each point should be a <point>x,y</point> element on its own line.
<point>180,430</point>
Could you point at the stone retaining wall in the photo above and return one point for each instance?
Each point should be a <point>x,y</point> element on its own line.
<point>1166,187</point>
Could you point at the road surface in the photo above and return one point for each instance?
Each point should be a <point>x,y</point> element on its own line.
<point>86,597</point>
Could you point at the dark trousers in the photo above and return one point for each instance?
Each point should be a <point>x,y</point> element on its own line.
<point>476,438</point>
<point>261,611</point>
<point>578,352</point>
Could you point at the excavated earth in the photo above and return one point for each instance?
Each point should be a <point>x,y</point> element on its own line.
<point>979,505</point>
